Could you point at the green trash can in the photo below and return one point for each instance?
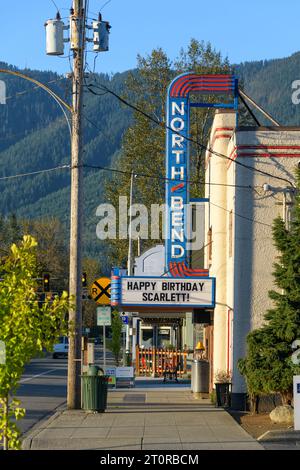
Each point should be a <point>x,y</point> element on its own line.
<point>94,389</point>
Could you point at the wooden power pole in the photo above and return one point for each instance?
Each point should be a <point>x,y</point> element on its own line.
<point>75,287</point>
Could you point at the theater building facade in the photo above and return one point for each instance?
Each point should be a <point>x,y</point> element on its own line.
<point>220,297</point>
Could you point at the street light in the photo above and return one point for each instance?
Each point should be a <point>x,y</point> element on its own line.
<point>61,103</point>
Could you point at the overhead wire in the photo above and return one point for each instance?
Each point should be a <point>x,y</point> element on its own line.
<point>20,93</point>
<point>190,139</point>
<point>37,172</point>
<point>20,175</point>
<point>55,5</point>
<point>163,178</point>
<point>102,8</point>
<point>187,181</point>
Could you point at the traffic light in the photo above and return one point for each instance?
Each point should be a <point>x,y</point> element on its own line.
<point>46,282</point>
<point>84,280</point>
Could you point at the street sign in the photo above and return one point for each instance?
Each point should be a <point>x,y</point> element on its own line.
<point>85,294</point>
<point>124,318</point>
<point>100,291</point>
<point>103,316</point>
<point>124,377</point>
<point>110,372</point>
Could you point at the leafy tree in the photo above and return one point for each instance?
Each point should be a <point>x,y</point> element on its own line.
<point>201,58</point>
<point>143,149</point>
<point>115,344</point>
<point>53,252</point>
<point>25,329</point>
<point>34,135</point>
<point>268,367</point>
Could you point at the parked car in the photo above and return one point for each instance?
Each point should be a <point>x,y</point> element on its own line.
<point>61,349</point>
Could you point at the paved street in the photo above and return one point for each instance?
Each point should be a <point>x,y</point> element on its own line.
<point>44,387</point>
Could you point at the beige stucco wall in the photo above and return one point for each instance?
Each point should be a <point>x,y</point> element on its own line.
<point>244,279</point>
<point>217,172</point>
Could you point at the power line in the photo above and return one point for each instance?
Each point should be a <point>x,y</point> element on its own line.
<point>55,5</point>
<point>21,175</point>
<point>241,216</point>
<point>105,5</point>
<point>164,178</point>
<point>19,93</point>
<point>202,146</point>
<point>208,183</point>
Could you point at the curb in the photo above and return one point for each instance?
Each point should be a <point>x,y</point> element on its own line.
<point>31,434</point>
<point>280,436</point>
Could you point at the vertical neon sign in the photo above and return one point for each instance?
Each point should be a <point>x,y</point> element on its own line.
<point>178,156</point>
<point>177,174</point>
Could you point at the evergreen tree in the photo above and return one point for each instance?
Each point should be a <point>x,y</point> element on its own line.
<point>268,367</point>
<point>115,343</point>
<point>143,149</point>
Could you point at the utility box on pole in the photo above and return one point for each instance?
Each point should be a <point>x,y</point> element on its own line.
<point>55,36</point>
<point>55,46</point>
<point>101,36</point>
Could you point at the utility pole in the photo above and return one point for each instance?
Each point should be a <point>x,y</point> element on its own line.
<point>130,257</point>
<point>77,27</point>
<point>55,47</point>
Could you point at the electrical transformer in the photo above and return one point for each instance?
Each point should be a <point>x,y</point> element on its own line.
<point>54,37</point>
<point>101,36</point>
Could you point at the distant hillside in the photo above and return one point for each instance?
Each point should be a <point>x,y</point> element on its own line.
<point>269,82</point>
<point>34,136</point>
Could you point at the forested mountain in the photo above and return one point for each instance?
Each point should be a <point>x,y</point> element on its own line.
<point>269,82</point>
<point>34,136</point>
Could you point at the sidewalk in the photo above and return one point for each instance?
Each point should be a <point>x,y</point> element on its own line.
<point>143,419</point>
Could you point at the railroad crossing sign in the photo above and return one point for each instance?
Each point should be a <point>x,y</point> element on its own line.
<point>100,291</point>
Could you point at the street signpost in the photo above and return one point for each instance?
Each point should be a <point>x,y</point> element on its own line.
<point>104,319</point>
<point>124,318</point>
<point>100,291</point>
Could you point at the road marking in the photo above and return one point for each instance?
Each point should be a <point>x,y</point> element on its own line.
<point>38,375</point>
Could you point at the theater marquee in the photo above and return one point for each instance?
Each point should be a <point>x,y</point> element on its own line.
<point>168,292</point>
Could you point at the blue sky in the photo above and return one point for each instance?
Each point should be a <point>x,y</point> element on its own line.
<point>242,30</point>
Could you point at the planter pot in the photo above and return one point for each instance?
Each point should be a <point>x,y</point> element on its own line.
<point>223,394</point>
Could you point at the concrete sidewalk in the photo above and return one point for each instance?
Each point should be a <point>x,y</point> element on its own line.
<point>143,419</point>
